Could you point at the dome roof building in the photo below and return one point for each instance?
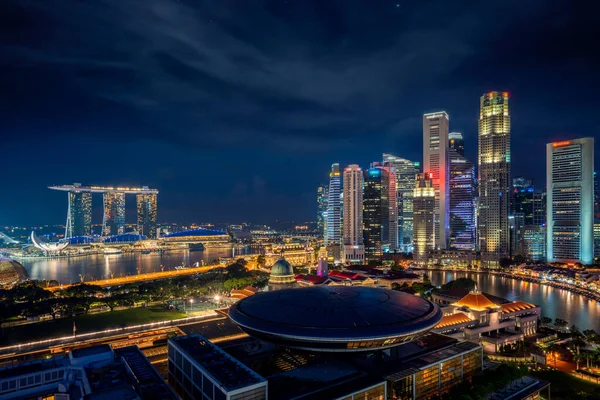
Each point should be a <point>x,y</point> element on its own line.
<point>11,272</point>
<point>282,275</point>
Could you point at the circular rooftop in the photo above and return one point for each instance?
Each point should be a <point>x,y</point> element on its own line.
<point>11,272</point>
<point>335,318</point>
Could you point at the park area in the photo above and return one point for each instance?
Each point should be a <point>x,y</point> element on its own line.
<point>86,324</point>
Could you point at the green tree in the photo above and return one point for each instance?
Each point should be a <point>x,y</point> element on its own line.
<point>460,283</point>
<point>546,320</point>
<point>261,260</point>
<point>560,323</point>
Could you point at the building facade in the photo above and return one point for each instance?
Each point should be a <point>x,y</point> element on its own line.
<point>113,222</point>
<point>423,209</point>
<point>322,193</point>
<point>79,215</point>
<point>353,250</point>
<point>436,162</point>
<point>147,209</point>
<point>376,211</point>
<point>533,244</point>
<point>570,200</point>
<point>462,205</point>
<point>406,172</point>
<point>456,142</point>
<point>333,235</point>
<point>494,178</point>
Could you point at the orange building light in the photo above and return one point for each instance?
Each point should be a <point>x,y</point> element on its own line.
<point>560,144</point>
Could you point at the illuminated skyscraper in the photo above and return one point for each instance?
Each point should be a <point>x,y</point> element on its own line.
<point>379,219</point>
<point>406,171</point>
<point>334,207</point>
<point>494,178</point>
<point>354,249</point>
<point>322,193</point>
<point>436,163</point>
<point>528,209</point>
<point>456,142</point>
<point>113,222</point>
<point>79,214</point>
<point>146,214</point>
<point>570,200</point>
<point>462,205</point>
<point>423,209</point>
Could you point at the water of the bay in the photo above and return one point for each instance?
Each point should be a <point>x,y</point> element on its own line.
<point>94,267</point>
<point>555,303</point>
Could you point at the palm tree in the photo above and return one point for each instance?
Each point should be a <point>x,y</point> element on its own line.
<point>577,358</point>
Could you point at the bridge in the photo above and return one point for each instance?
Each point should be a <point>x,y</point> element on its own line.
<point>143,277</point>
<point>8,240</point>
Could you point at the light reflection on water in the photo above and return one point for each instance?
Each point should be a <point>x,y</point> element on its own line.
<point>94,267</point>
<point>555,303</point>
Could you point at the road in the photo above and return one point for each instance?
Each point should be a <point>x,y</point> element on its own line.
<point>151,276</point>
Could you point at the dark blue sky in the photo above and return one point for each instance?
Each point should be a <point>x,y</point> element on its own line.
<point>235,109</point>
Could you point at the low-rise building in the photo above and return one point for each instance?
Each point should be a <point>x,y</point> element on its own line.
<point>480,320</point>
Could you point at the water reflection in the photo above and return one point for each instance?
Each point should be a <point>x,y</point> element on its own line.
<point>95,267</point>
<point>555,303</point>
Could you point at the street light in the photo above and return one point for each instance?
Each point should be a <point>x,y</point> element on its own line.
<point>192,304</point>
<point>217,298</point>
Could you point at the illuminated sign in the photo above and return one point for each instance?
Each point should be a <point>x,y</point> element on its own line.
<point>560,144</point>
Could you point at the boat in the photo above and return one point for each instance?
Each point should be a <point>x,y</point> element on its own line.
<point>146,251</point>
<point>182,266</point>
<point>111,250</point>
<point>196,247</point>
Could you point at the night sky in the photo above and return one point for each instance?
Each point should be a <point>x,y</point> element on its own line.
<point>235,109</point>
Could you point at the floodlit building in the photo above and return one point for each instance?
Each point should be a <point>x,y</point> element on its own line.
<point>353,250</point>
<point>456,142</point>
<point>379,211</point>
<point>533,244</point>
<point>79,214</point>
<point>462,205</point>
<point>570,200</point>
<point>423,211</point>
<point>147,209</point>
<point>477,318</point>
<point>494,178</point>
<point>436,162</point>
<point>322,194</point>
<point>406,171</point>
<point>333,236</point>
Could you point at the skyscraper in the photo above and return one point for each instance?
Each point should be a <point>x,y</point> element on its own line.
<point>378,216</point>
<point>79,215</point>
<point>354,249</point>
<point>334,207</point>
<point>406,171</point>
<point>113,222</point>
<point>462,203</point>
<point>436,163</point>
<point>528,208</point>
<point>570,200</point>
<point>146,214</point>
<point>456,142</point>
<point>322,192</point>
<point>423,209</point>
<point>494,178</point>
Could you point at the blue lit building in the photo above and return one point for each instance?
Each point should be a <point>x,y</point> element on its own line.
<point>333,236</point>
<point>462,205</point>
<point>130,237</point>
<point>199,235</point>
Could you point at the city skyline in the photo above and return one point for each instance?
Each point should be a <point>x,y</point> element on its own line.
<point>333,84</point>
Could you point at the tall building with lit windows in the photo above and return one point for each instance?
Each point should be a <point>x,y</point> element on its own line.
<point>456,142</point>
<point>423,211</point>
<point>322,192</point>
<point>79,214</point>
<point>462,205</point>
<point>570,200</point>
<point>113,222</point>
<point>436,162</point>
<point>379,219</point>
<point>494,178</point>
<point>147,208</point>
<point>406,171</point>
<point>333,235</point>
<point>353,251</point>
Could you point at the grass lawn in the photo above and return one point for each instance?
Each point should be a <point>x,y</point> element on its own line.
<point>86,323</point>
<point>566,387</point>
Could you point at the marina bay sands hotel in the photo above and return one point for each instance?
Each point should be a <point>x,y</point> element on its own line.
<point>79,214</point>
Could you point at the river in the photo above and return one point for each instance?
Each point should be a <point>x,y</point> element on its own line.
<point>555,303</point>
<point>94,267</point>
